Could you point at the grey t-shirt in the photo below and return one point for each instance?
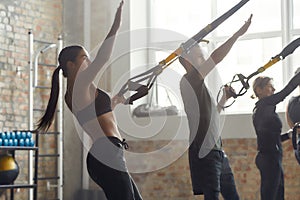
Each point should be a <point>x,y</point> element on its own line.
<point>202,113</point>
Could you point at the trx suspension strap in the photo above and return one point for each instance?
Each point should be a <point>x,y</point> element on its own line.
<point>134,83</point>
<point>289,49</point>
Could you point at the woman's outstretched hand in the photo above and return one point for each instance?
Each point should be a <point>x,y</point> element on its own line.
<point>245,27</point>
<point>117,21</point>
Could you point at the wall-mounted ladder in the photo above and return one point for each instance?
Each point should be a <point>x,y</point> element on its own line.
<point>50,185</point>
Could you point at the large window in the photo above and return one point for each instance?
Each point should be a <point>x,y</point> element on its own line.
<point>265,38</point>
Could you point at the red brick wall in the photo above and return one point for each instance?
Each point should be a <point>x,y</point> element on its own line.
<point>16,18</point>
<point>173,182</point>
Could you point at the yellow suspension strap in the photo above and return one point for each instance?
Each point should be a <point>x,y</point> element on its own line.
<point>289,49</point>
<point>135,83</point>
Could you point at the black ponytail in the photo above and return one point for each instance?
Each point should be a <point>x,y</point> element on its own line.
<point>69,53</point>
<point>45,122</point>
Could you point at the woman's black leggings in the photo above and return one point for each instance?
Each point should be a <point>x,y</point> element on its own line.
<point>107,167</point>
<point>272,177</point>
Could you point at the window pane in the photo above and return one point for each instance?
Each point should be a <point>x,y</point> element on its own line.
<point>296,13</point>
<point>186,17</point>
<point>266,16</point>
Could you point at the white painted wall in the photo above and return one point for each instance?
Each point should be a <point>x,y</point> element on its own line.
<point>166,128</point>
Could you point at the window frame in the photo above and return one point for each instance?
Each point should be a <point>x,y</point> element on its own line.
<point>287,34</point>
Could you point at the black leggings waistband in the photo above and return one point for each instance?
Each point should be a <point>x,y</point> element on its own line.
<point>116,141</point>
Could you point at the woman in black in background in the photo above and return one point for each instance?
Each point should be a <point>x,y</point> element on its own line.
<point>92,107</point>
<point>268,127</point>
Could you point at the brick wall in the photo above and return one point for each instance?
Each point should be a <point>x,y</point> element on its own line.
<point>173,182</point>
<point>44,18</point>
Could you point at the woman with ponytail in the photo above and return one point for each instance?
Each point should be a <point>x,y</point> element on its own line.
<point>92,107</point>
